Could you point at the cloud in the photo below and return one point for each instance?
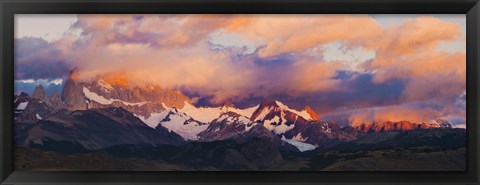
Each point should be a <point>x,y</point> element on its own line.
<point>408,52</point>
<point>280,34</point>
<point>414,35</point>
<point>418,112</point>
<point>37,59</point>
<point>49,27</point>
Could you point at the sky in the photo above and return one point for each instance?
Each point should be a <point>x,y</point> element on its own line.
<point>348,68</point>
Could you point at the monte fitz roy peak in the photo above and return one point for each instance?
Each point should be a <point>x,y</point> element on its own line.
<point>108,112</point>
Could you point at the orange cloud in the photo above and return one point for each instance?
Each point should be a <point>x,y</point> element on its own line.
<point>409,52</point>
<point>173,51</point>
<point>314,76</point>
<point>395,113</point>
<point>416,35</point>
<point>297,33</point>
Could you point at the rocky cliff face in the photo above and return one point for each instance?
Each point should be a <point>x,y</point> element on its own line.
<point>141,101</point>
<point>35,111</point>
<point>56,101</point>
<point>72,94</point>
<point>389,126</point>
<point>111,92</point>
<point>40,94</point>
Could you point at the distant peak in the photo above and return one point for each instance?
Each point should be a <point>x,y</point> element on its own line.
<point>389,126</point>
<point>39,87</point>
<point>441,122</point>
<point>24,94</point>
<point>39,92</point>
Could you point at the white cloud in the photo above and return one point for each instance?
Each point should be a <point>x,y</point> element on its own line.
<point>49,27</point>
<point>224,39</point>
<point>352,57</point>
<point>45,82</point>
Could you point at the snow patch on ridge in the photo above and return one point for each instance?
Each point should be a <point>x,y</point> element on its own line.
<point>107,87</point>
<point>22,106</point>
<point>300,145</point>
<point>208,114</point>
<point>248,112</point>
<point>262,114</point>
<point>302,113</point>
<point>299,137</point>
<point>240,119</point>
<point>38,117</point>
<point>104,101</point>
<point>276,126</point>
<point>202,114</point>
<point>183,125</point>
<point>154,118</point>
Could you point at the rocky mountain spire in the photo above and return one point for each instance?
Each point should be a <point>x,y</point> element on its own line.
<point>56,101</point>
<point>72,93</point>
<point>39,93</point>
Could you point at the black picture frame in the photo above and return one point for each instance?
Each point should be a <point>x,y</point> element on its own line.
<point>10,7</point>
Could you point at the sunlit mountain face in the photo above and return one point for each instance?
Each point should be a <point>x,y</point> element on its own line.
<point>241,92</point>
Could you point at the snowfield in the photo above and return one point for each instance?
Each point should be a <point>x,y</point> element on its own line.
<point>208,114</point>
<point>154,118</point>
<point>104,101</point>
<point>38,117</point>
<point>302,113</point>
<point>241,119</point>
<point>300,145</point>
<point>181,124</point>
<point>22,106</point>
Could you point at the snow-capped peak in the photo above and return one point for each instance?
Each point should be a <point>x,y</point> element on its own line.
<point>248,112</point>
<point>234,118</point>
<point>182,124</point>
<point>302,113</point>
<point>441,123</point>
<point>208,114</point>
<point>203,114</point>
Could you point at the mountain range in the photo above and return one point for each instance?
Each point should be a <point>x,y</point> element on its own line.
<point>172,114</point>
<point>101,114</point>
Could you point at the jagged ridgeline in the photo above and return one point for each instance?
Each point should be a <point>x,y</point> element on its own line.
<point>108,122</point>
